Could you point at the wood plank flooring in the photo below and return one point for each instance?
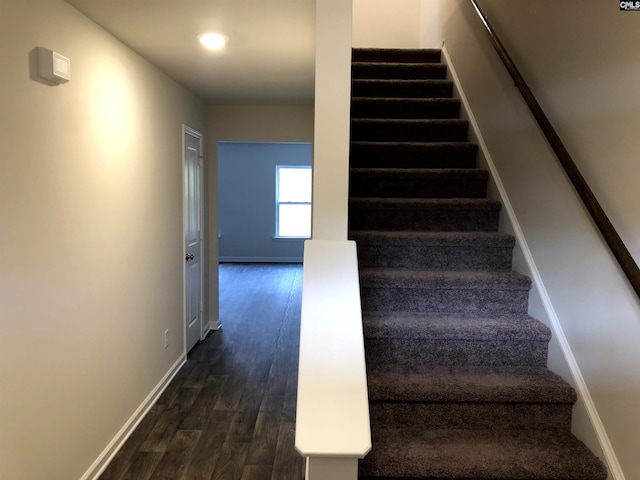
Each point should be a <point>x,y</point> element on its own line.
<point>230,412</point>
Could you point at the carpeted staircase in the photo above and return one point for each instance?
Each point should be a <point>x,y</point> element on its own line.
<point>458,383</point>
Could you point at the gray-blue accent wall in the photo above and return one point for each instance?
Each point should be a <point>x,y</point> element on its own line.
<point>247,201</point>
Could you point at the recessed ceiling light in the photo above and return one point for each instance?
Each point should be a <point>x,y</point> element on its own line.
<point>214,41</point>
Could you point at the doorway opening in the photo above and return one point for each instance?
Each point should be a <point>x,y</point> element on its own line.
<point>263,188</point>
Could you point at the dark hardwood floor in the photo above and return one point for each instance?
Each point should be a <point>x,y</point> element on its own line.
<point>230,412</point>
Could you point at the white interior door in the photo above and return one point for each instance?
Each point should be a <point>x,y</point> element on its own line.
<point>193,165</point>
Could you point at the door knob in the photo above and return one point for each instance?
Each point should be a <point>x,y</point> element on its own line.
<point>189,257</point>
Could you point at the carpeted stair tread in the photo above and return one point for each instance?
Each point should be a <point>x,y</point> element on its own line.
<point>439,383</point>
<point>454,352</point>
<point>395,55</point>
<point>418,172</point>
<point>416,453</point>
<point>383,107</point>
<point>487,301</point>
<point>471,279</point>
<point>418,182</point>
<point>398,70</point>
<point>428,203</point>
<point>427,214</point>
<point>402,88</point>
<point>413,154</point>
<point>432,239</point>
<point>548,416</point>
<point>409,130</point>
<point>453,327</point>
<point>434,250</point>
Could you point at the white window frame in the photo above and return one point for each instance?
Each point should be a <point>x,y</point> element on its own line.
<point>278,202</point>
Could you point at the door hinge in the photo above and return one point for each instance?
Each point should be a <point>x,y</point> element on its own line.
<point>201,161</point>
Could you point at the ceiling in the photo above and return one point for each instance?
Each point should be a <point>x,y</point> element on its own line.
<point>269,58</point>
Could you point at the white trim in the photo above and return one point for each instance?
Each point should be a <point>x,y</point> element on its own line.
<point>290,238</point>
<point>103,460</point>
<point>228,259</point>
<point>191,131</point>
<point>210,326</point>
<point>611,459</point>
<point>332,411</point>
<point>335,468</point>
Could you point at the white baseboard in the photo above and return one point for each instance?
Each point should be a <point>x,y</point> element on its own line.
<point>211,326</point>
<point>206,328</point>
<point>260,259</point>
<point>101,463</point>
<point>610,458</point>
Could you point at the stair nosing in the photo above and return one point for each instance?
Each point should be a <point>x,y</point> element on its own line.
<point>516,327</point>
<point>361,62</point>
<point>374,277</point>
<point>465,144</point>
<point>458,203</point>
<point>436,171</point>
<point>470,384</point>
<point>420,238</point>
<point>482,448</point>
<point>389,81</point>
<point>455,101</point>
<point>420,121</point>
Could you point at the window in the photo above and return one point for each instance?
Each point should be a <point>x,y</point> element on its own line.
<point>293,201</point>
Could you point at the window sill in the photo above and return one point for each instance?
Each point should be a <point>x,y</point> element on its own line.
<point>275,237</point>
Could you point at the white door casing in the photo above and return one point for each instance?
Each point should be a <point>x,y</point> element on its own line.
<point>193,236</point>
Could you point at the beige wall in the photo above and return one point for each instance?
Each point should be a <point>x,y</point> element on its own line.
<point>246,123</point>
<point>430,25</point>
<point>91,243</point>
<point>396,24</point>
<point>386,23</point>
<point>584,71</point>
<point>259,123</point>
<point>577,57</point>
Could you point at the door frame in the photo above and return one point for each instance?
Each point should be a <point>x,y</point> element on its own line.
<point>204,325</point>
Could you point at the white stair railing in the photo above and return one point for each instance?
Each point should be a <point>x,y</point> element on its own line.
<point>332,419</point>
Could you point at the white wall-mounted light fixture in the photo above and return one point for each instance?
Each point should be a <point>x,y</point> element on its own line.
<point>213,41</point>
<point>52,66</point>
